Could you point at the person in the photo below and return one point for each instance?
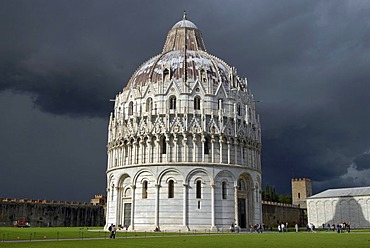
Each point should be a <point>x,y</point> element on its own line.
<point>114,230</point>
<point>282,227</point>
<point>232,228</point>
<point>296,227</point>
<point>110,228</point>
<point>279,230</point>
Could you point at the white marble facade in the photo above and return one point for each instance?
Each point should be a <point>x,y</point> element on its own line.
<point>336,206</point>
<point>184,143</point>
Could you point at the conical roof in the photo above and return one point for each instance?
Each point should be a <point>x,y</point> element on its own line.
<point>184,57</point>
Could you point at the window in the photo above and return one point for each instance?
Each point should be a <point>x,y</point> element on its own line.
<point>299,195</point>
<point>166,75</point>
<point>171,189</point>
<point>241,184</point>
<point>197,103</point>
<point>199,189</point>
<point>164,145</point>
<point>220,103</point>
<point>145,190</point>
<point>206,146</point>
<point>149,104</point>
<point>203,76</point>
<point>172,102</point>
<point>130,108</point>
<point>224,192</point>
<point>238,109</point>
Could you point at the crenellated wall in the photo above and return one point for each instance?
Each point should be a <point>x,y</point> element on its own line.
<point>274,213</point>
<point>47,213</point>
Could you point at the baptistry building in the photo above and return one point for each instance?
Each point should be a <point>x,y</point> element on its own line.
<point>184,143</point>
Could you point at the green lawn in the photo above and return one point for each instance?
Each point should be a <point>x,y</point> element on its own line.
<point>274,240</point>
<point>12,233</point>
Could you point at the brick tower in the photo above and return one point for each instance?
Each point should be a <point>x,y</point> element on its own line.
<point>301,189</point>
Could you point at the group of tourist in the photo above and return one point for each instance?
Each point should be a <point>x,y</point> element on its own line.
<point>258,228</point>
<point>342,227</point>
<point>283,227</point>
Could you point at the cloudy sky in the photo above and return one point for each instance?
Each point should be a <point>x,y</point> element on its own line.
<point>307,62</point>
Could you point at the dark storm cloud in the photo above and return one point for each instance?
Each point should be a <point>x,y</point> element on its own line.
<point>362,162</point>
<point>306,61</point>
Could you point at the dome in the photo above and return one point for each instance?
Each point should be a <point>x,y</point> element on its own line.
<point>184,57</point>
<point>183,65</point>
<point>184,24</point>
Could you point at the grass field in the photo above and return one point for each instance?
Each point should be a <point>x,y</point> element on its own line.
<point>187,240</point>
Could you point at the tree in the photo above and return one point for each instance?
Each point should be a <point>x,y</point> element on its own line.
<point>269,194</point>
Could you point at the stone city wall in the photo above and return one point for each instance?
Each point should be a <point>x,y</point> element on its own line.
<point>274,213</point>
<point>42,213</point>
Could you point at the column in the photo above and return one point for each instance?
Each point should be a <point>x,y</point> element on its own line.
<point>242,154</point>
<point>213,217</point>
<point>157,186</point>
<point>195,148</point>
<point>109,153</point>
<point>236,151</point>
<point>142,148</point>
<point>176,148</point>
<point>185,205</point>
<point>185,144</point>
<point>220,141</point>
<point>168,148</point>
<point>228,151</point>
<point>129,158</point>
<point>132,225</point>
<point>213,148</point>
<point>203,140</point>
<point>149,150</point>
<point>124,154</point>
<point>158,148</point>
<point>236,205</point>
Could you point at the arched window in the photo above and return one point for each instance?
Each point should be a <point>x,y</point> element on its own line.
<point>130,108</point>
<point>149,104</point>
<point>220,103</point>
<point>299,195</point>
<point>166,75</point>
<point>173,102</point>
<point>224,191</point>
<point>164,145</point>
<point>144,192</point>
<point>241,184</point>
<point>206,146</point>
<point>197,103</point>
<point>199,189</point>
<point>171,189</point>
<point>238,109</point>
<point>203,75</point>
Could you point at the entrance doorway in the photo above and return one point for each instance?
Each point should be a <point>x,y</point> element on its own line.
<point>127,214</point>
<point>242,213</point>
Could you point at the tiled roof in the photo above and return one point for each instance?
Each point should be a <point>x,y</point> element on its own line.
<point>344,192</point>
